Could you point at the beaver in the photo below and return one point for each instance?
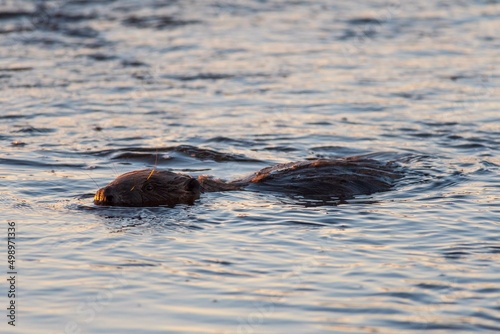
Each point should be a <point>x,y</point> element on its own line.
<point>341,178</point>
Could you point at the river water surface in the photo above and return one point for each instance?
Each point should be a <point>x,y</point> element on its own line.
<point>93,89</point>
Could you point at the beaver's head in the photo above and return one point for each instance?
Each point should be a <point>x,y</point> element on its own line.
<point>149,188</point>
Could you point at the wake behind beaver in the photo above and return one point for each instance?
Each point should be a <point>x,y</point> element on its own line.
<point>316,179</point>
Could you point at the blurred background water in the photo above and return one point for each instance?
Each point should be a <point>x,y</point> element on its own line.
<point>92,89</point>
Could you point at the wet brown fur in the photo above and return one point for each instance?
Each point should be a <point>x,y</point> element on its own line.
<point>332,178</point>
<point>149,188</point>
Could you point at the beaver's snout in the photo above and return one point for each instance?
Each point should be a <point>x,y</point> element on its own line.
<point>103,196</point>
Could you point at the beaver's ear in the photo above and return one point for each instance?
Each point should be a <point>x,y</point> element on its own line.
<point>192,185</point>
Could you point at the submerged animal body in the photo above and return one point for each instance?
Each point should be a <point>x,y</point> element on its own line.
<point>316,179</point>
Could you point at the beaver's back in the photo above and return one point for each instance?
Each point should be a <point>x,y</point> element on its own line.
<point>340,178</point>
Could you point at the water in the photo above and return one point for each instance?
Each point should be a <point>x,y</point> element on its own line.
<point>92,89</point>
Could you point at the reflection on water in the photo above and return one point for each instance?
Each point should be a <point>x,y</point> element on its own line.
<point>90,90</point>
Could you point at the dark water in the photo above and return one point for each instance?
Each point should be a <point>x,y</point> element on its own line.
<point>92,89</point>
